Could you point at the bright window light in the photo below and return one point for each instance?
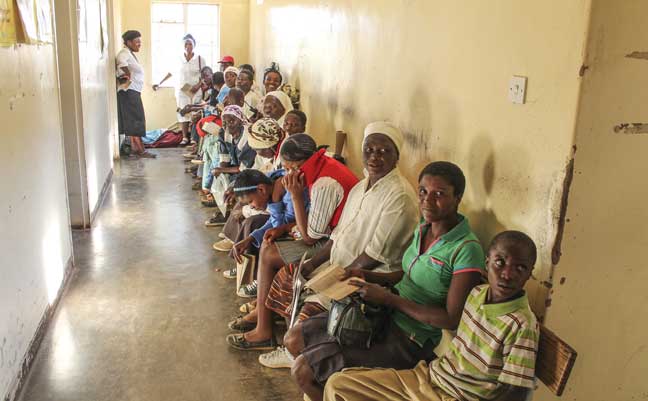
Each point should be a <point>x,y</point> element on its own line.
<point>169,23</point>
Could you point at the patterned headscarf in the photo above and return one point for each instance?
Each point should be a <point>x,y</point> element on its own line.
<point>236,111</point>
<point>264,134</point>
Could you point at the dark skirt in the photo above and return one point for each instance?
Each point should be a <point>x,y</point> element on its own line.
<point>130,113</point>
<point>325,356</point>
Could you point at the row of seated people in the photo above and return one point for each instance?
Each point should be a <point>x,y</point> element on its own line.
<point>409,251</point>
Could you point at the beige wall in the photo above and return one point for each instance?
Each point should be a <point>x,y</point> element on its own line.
<point>160,106</point>
<point>440,70</point>
<point>35,241</point>
<point>600,300</point>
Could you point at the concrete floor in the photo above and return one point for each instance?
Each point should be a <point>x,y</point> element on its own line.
<point>145,314</point>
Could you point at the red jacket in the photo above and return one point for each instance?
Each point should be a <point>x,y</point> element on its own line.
<point>319,165</point>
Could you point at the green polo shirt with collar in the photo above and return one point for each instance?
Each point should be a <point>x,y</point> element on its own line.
<point>428,274</point>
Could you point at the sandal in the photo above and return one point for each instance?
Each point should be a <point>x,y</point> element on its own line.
<point>184,142</point>
<point>248,307</point>
<point>196,186</point>
<point>208,200</point>
<point>239,324</point>
<point>238,341</point>
<point>148,155</point>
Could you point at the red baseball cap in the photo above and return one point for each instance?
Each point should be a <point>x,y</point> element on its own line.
<point>227,59</point>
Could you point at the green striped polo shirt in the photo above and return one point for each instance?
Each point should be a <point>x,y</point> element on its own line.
<point>429,272</point>
<point>496,344</point>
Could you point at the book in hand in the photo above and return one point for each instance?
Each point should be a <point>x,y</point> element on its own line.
<point>327,282</point>
<point>186,88</point>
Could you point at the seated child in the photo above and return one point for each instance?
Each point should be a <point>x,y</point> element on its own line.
<point>262,192</point>
<point>491,358</point>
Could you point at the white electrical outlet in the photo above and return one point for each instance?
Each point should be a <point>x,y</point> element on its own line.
<point>517,89</point>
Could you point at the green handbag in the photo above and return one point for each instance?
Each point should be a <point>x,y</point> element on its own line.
<point>354,322</point>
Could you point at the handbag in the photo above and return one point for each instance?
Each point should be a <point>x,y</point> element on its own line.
<point>354,322</point>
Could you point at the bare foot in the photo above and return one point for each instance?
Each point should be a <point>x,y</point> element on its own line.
<point>255,336</point>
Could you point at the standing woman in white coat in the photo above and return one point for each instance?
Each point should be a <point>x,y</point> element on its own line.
<point>188,85</point>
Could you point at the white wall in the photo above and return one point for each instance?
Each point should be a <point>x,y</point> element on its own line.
<point>97,65</point>
<point>35,242</point>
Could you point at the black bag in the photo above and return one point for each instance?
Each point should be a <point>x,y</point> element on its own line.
<point>353,322</point>
<point>125,147</point>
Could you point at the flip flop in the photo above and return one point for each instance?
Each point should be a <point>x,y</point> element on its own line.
<point>238,341</point>
<point>239,324</point>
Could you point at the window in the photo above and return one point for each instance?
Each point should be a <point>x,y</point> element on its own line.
<point>170,22</point>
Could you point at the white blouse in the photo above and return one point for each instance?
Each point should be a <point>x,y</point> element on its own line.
<point>190,71</point>
<point>126,58</point>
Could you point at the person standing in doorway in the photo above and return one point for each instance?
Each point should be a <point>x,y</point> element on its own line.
<point>188,89</point>
<point>130,110</point>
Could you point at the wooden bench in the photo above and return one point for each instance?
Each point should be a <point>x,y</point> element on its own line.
<point>554,361</point>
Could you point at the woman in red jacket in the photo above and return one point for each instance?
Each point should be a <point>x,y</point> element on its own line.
<point>328,182</point>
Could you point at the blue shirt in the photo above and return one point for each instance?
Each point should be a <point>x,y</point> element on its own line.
<point>282,212</point>
<point>222,93</point>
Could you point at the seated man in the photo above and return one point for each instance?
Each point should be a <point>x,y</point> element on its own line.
<point>294,122</point>
<point>493,355</point>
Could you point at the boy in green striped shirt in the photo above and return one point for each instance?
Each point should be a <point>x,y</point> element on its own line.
<point>491,358</point>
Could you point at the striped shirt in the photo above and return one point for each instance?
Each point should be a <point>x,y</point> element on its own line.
<point>496,345</point>
<point>326,195</point>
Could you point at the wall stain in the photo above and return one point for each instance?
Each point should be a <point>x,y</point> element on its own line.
<point>631,128</point>
<point>638,55</point>
<point>582,70</point>
<point>556,251</point>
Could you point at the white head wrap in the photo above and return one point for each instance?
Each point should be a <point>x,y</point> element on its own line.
<point>386,128</point>
<point>284,99</point>
<point>231,69</point>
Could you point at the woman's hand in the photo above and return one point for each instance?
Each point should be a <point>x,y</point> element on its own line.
<point>353,272</point>
<point>294,182</point>
<point>272,234</point>
<point>372,293</point>
<point>239,249</point>
<point>195,88</point>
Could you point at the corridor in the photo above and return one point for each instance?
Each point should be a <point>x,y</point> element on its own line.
<point>145,314</point>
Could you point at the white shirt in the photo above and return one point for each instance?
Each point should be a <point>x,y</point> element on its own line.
<point>126,58</point>
<point>190,71</point>
<point>379,222</point>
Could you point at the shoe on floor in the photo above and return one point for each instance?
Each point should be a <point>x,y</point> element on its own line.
<point>238,341</point>
<point>239,324</point>
<point>277,359</point>
<point>219,220</point>
<point>248,291</point>
<point>188,155</point>
<point>221,235</point>
<point>197,162</point>
<point>224,245</point>
<point>230,273</point>
<point>247,307</point>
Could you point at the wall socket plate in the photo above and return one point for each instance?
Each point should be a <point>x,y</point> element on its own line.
<point>517,89</point>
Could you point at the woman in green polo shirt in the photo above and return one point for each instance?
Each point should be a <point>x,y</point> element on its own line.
<point>440,267</point>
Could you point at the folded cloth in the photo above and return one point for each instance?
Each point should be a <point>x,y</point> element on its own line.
<point>152,136</point>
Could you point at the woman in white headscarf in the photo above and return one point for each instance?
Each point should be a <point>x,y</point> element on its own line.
<point>188,85</point>
<point>276,104</point>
